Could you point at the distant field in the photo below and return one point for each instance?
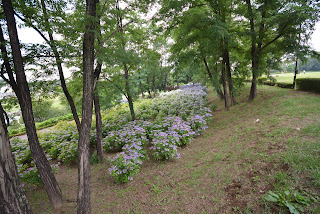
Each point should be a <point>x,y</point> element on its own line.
<point>288,77</point>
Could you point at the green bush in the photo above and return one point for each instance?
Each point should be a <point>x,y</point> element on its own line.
<point>47,123</point>
<point>285,85</point>
<point>310,84</point>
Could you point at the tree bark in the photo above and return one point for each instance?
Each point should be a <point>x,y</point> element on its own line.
<point>97,110</point>
<point>229,77</point>
<point>254,60</point>
<point>12,196</point>
<point>154,85</point>
<point>141,89</point>
<point>84,205</point>
<point>126,69</point>
<point>96,99</point>
<point>129,96</point>
<point>225,92</point>
<point>98,123</point>
<point>23,94</point>
<point>295,74</point>
<point>59,65</point>
<point>215,85</point>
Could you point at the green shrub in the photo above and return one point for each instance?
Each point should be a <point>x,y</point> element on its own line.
<point>310,84</point>
<point>47,123</point>
<point>285,85</point>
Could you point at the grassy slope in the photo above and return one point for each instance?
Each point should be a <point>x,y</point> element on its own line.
<point>288,77</point>
<point>227,169</point>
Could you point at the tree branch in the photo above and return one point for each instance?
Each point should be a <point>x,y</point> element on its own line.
<point>114,32</point>
<point>117,87</point>
<point>2,75</point>
<point>5,115</point>
<point>277,37</point>
<point>48,56</point>
<point>34,27</point>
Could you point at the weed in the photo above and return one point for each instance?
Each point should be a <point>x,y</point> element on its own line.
<point>292,200</point>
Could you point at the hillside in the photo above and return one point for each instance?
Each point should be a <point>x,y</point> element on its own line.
<point>271,143</point>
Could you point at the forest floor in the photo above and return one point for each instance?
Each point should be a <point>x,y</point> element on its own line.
<point>227,169</point>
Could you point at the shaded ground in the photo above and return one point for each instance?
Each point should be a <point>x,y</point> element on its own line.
<point>225,170</point>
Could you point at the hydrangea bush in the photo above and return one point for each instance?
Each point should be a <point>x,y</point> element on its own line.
<point>164,145</point>
<point>166,122</point>
<point>130,133</point>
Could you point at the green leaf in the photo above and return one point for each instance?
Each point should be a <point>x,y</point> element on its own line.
<point>292,209</point>
<point>272,197</point>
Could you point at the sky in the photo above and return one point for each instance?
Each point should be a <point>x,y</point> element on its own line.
<point>28,35</point>
<point>315,39</point>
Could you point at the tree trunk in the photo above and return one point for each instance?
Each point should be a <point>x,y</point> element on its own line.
<point>225,92</point>
<point>295,74</point>
<point>253,90</point>
<point>215,85</point>
<point>254,54</point>
<point>23,94</point>
<point>165,81</point>
<point>148,84</point>
<point>141,89</point>
<point>229,77</point>
<point>219,92</point>
<point>59,65</point>
<point>126,70</point>
<point>84,205</point>
<point>129,96</point>
<point>98,123</point>
<point>154,85</point>
<point>12,196</point>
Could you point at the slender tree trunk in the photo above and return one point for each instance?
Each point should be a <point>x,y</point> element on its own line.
<point>215,85</point>
<point>84,205</point>
<point>148,83</point>
<point>126,70</point>
<point>225,92</point>
<point>98,124</point>
<point>295,74</point>
<point>23,94</point>
<point>229,77</point>
<point>12,196</point>
<point>253,90</point>
<point>128,91</point>
<point>96,99</point>
<point>154,85</point>
<point>254,54</point>
<point>97,108</point>
<point>219,92</point>
<point>165,81</point>
<point>59,65</point>
<point>141,89</point>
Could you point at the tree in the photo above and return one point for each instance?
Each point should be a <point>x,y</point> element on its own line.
<point>12,196</point>
<point>84,205</point>
<point>37,17</point>
<point>21,89</point>
<point>269,22</point>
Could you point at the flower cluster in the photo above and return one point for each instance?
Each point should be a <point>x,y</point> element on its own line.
<point>164,145</point>
<point>126,164</point>
<point>132,132</point>
<point>25,165</point>
<point>167,122</point>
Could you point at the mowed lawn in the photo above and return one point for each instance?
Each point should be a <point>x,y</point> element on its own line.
<point>271,143</point>
<point>288,77</point>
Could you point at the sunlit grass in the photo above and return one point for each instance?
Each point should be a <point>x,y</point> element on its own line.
<point>288,77</point>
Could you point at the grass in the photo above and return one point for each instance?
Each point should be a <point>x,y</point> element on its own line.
<point>228,169</point>
<point>288,77</point>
